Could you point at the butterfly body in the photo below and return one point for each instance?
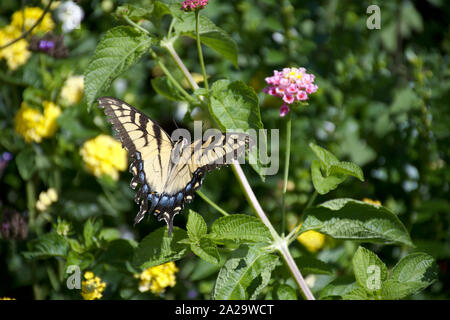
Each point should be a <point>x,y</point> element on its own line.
<point>168,173</point>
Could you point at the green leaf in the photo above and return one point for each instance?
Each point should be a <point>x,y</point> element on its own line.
<point>90,231</point>
<point>196,226</point>
<point>118,252</point>
<point>109,234</point>
<point>284,292</point>
<point>394,290</point>
<point>158,248</point>
<point>210,35</point>
<point>234,105</point>
<point>323,184</point>
<point>356,294</point>
<point>119,49</point>
<point>339,287</point>
<point>356,220</point>
<point>369,270</point>
<point>245,274</point>
<point>347,168</point>
<point>26,163</point>
<point>335,171</point>
<point>311,265</point>
<point>82,260</point>
<point>133,12</point>
<point>241,228</point>
<point>327,159</point>
<point>46,246</point>
<point>207,250</point>
<point>166,89</point>
<point>418,270</point>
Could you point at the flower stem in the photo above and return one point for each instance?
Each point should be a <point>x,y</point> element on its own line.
<point>199,48</point>
<point>170,77</point>
<point>286,172</point>
<point>212,204</point>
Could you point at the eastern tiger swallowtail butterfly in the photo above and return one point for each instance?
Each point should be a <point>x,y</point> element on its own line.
<point>165,183</point>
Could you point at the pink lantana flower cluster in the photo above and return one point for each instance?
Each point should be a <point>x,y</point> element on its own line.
<point>290,84</point>
<point>192,5</point>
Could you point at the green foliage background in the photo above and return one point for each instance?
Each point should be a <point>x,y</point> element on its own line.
<point>382,104</point>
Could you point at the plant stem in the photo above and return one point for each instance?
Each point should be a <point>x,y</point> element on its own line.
<point>169,46</point>
<point>170,77</point>
<point>134,24</point>
<point>286,172</point>
<point>296,231</point>
<point>199,48</point>
<point>211,203</point>
<point>311,200</point>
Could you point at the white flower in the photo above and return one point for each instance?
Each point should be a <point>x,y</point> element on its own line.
<point>70,14</point>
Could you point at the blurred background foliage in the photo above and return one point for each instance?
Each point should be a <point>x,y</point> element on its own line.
<point>382,103</point>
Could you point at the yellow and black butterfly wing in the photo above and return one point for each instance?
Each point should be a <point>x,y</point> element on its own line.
<point>149,146</point>
<point>189,169</point>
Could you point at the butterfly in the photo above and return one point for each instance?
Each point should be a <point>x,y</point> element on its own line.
<point>168,172</point>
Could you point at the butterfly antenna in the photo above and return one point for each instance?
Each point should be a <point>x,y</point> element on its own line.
<point>175,123</point>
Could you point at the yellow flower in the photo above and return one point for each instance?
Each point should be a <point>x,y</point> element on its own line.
<point>46,198</point>
<point>16,54</point>
<point>104,155</point>
<point>72,91</point>
<point>32,14</point>
<point>311,240</point>
<point>33,125</point>
<point>375,202</point>
<point>92,287</point>
<point>7,298</point>
<point>156,279</point>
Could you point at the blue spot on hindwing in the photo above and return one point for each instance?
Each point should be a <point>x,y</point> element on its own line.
<point>142,176</point>
<point>180,197</point>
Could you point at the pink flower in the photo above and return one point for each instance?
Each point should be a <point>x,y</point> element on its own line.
<point>290,84</point>
<point>284,110</point>
<point>193,5</point>
<point>288,98</point>
<point>302,96</point>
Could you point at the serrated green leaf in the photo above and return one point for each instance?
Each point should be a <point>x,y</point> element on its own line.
<point>312,265</point>
<point>119,49</point>
<point>196,226</point>
<point>241,228</point>
<point>369,270</point>
<point>90,231</point>
<point>339,287</point>
<point>109,234</point>
<point>323,184</point>
<point>207,250</point>
<point>327,159</point>
<point>285,292</point>
<point>234,105</point>
<point>158,248</point>
<point>356,294</point>
<point>82,260</point>
<point>418,270</point>
<point>210,35</point>
<point>356,220</point>
<point>26,163</point>
<point>245,274</point>
<point>394,290</point>
<point>47,246</point>
<point>347,168</point>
